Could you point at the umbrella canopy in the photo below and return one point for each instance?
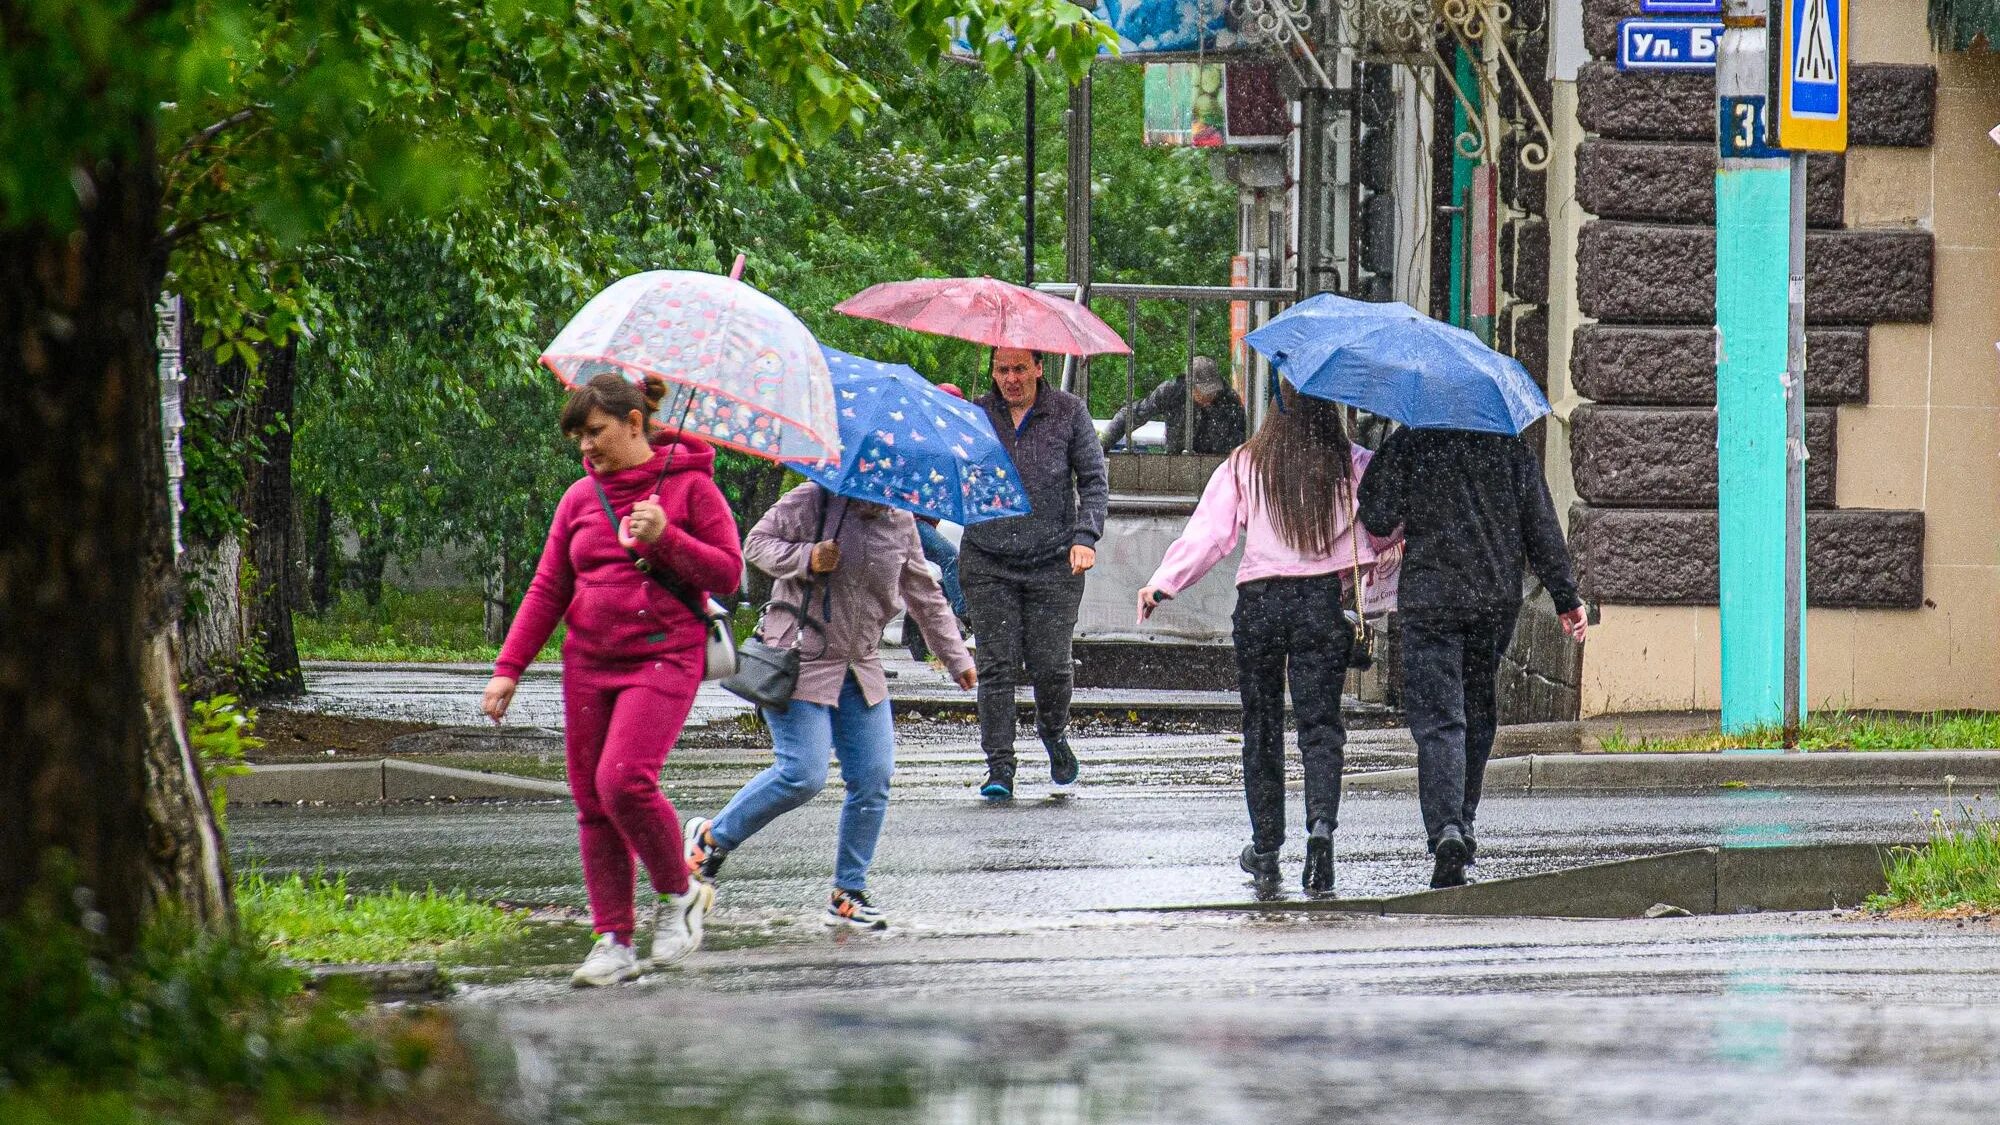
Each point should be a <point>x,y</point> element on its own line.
<point>912,446</point>
<point>1389,359</point>
<point>987,311</point>
<point>741,369</point>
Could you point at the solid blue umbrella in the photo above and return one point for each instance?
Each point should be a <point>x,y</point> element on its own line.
<point>1389,359</point>
<point>908,445</point>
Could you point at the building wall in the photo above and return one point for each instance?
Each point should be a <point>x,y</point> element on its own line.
<point>1904,385</point>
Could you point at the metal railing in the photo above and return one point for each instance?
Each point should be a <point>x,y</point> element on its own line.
<point>1263,302</point>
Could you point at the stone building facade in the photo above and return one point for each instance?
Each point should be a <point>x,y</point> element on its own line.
<point>1611,262</point>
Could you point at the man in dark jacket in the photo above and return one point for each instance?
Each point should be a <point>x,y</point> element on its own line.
<point>1023,576</point>
<point>1474,512</point>
<point>1219,420</point>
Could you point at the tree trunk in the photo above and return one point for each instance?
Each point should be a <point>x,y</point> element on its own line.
<point>271,524</point>
<point>215,621</point>
<point>319,555</point>
<point>95,770</point>
<point>370,560</point>
<point>499,601</point>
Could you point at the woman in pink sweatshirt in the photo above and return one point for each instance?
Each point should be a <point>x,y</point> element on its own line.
<point>1288,494</point>
<point>633,655</point>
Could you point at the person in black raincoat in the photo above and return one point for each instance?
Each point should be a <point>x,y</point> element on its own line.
<point>1475,513</point>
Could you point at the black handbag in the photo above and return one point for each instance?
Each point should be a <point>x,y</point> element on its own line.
<point>767,674</point>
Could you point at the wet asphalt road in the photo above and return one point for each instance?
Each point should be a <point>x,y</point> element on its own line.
<point>1005,993</point>
<point>943,861</point>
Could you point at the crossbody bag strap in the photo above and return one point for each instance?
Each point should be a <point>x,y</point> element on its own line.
<point>645,565</point>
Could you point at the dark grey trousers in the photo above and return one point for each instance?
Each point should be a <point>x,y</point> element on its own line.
<point>1451,661</point>
<point>1021,618</point>
<point>1295,625</point>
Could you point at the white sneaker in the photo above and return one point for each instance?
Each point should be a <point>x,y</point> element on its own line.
<point>609,963</point>
<point>677,922</point>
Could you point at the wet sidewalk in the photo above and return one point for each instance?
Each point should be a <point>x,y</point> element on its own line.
<point>448,694</point>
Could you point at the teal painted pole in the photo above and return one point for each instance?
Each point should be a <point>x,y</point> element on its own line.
<point>1752,248</point>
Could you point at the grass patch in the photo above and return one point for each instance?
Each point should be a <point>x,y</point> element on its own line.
<point>195,1028</point>
<point>1957,871</point>
<point>320,920</point>
<point>1943,730</point>
<point>418,626</point>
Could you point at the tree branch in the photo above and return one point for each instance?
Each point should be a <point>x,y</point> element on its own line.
<point>170,237</point>
<point>207,135</point>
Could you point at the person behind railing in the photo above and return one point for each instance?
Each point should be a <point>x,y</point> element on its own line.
<point>1219,420</point>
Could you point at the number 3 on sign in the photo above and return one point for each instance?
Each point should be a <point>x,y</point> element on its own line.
<point>1745,128</point>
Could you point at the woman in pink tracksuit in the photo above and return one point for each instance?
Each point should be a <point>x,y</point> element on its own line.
<point>1289,495</point>
<point>632,658</point>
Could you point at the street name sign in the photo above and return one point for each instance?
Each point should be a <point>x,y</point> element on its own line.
<point>1811,79</point>
<point>1681,7</point>
<point>1668,44</point>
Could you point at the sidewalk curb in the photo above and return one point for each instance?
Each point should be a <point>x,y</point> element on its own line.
<point>1886,769</point>
<point>362,783</point>
<point>1714,880</point>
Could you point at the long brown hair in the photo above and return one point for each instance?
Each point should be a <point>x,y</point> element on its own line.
<point>1301,462</point>
<point>615,395</point>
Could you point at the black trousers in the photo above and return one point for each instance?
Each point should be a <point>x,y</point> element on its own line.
<point>1451,661</point>
<point>1021,618</point>
<point>1291,626</point>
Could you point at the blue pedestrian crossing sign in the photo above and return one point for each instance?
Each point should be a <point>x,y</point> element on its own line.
<point>1811,67</point>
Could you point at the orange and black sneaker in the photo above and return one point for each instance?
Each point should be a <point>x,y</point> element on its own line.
<point>851,908</point>
<point>704,856</point>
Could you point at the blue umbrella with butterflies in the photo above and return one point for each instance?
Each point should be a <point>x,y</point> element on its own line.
<point>908,445</point>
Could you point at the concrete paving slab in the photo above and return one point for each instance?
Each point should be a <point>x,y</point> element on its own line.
<point>1693,881</point>
<point>1822,877</point>
<point>1964,769</point>
<point>1620,889</point>
<point>335,783</point>
<point>406,781</point>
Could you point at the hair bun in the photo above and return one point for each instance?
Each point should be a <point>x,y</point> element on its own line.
<point>655,389</point>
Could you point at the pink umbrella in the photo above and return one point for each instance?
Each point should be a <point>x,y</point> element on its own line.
<point>987,311</point>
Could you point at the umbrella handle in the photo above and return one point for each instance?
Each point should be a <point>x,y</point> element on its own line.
<point>626,539</point>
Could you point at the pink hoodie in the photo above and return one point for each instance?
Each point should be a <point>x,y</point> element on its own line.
<point>617,613</point>
<point>1229,509</point>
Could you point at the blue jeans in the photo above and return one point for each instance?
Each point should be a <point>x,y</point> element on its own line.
<point>805,738</point>
<point>939,550</point>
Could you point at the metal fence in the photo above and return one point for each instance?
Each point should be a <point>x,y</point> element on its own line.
<point>1259,304</point>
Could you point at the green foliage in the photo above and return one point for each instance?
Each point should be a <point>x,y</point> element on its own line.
<point>1838,730</point>
<point>424,626</point>
<point>223,733</point>
<point>320,920</point>
<point>192,1024</point>
<point>423,418</point>
<point>1958,869</point>
<point>216,459</point>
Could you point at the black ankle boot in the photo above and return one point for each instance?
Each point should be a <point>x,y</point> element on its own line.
<point>1262,866</point>
<point>1318,876</point>
<point>1448,870</point>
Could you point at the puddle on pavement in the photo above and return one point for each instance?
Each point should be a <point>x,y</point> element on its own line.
<point>668,1056</point>
<point>548,951</point>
